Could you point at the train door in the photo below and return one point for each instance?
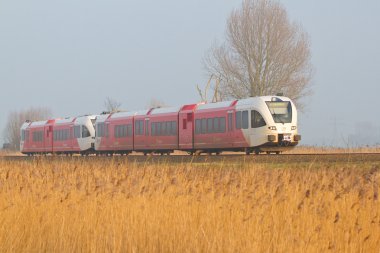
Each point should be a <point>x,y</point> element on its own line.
<point>186,130</point>
<point>107,137</point>
<point>230,129</point>
<point>71,137</point>
<point>48,139</point>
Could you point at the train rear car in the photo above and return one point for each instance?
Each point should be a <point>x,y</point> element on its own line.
<point>58,136</point>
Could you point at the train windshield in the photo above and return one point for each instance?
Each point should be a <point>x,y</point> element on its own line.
<point>281,111</point>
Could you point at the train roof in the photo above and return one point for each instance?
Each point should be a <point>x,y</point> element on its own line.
<point>38,123</point>
<point>163,110</point>
<point>122,115</point>
<point>248,101</point>
<point>216,105</point>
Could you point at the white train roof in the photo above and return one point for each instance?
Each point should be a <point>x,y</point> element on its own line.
<point>64,121</point>
<point>38,123</point>
<point>25,125</point>
<point>122,115</point>
<point>102,118</point>
<point>156,111</point>
<point>78,120</point>
<point>252,100</point>
<point>142,112</point>
<point>214,105</point>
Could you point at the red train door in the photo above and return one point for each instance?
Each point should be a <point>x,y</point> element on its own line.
<point>230,128</point>
<point>48,138</point>
<point>186,130</point>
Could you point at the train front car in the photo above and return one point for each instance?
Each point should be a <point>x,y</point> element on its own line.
<point>272,126</point>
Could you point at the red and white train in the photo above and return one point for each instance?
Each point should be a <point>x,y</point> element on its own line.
<point>259,124</point>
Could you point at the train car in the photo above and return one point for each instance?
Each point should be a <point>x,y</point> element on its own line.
<point>157,130</point>
<point>148,131</point>
<point>60,136</point>
<point>114,133</point>
<point>260,124</point>
<point>74,135</point>
<point>214,128</point>
<point>36,137</point>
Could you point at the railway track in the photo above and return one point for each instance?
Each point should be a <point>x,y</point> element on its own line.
<point>231,158</point>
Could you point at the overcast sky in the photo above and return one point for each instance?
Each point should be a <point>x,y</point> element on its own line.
<point>70,55</point>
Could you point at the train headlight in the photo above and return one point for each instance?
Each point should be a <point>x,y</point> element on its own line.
<point>294,127</point>
<point>297,137</point>
<point>271,138</point>
<point>272,128</point>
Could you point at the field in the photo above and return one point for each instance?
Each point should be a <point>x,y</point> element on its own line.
<point>115,205</point>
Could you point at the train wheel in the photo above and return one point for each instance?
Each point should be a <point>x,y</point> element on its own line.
<point>247,151</point>
<point>257,152</point>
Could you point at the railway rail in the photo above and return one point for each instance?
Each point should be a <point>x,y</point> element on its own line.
<point>230,158</point>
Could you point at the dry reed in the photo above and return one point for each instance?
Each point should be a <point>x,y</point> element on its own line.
<point>114,206</point>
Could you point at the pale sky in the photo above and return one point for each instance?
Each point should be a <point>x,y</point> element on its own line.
<point>70,55</point>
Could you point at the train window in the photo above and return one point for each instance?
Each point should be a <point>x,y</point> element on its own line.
<point>153,128</point>
<point>76,131</point>
<point>85,132</point>
<point>216,125</point>
<point>139,127</point>
<point>184,124</point>
<point>174,127</point>
<point>168,128</point>
<point>116,131</point>
<point>26,135</point>
<point>146,127</point>
<point>257,120</point>
<point>120,131</point>
<point>99,129</point>
<point>163,128</point>
<point>238,120</point>
<point>198,126</point>
<point>230,121</point>
<point>38,136</point>
<point>222,125</point>
<point>129,130</point>
<point>210,125</point>
<point>204,126</point>
<point>158,130</point>
<point>281,111</point>
<point>245,119</point>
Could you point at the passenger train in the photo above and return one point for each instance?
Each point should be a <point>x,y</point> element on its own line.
<point>252,125</point>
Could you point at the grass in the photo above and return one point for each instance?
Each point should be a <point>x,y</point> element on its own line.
<point>112,206</point>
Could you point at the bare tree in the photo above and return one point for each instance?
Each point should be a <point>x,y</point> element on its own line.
<point>17,118</point>
<point>111,105</point>
<point>264,54</point>
<point>217,96</point>
<point>155,103</point>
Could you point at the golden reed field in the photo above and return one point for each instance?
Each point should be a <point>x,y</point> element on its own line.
<point>112,205</point>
